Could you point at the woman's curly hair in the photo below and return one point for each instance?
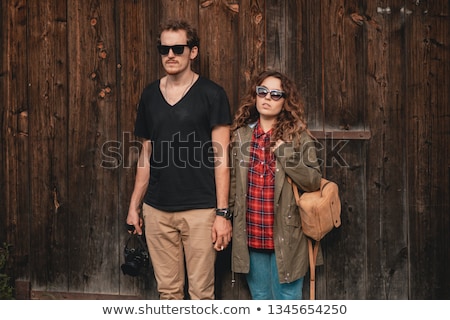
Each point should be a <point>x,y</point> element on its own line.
<point>290,121</point>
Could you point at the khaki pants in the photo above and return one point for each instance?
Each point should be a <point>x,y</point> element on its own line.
<point>172,238</point>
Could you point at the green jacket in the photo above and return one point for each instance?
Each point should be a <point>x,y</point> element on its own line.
<point>298,162</point>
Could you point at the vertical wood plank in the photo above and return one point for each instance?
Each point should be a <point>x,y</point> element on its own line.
<point>308,70</point>
<point>252,42</point>
<point>15,129</point>
<point>343,66</point>
<point>343,161</point>
<point>304,65</point>
<point>218,23</point>
<point>295,25</point>
<point>427,53</point>
<point>276,35</point>
<point>3,89</point>
<point>439,44</point>
<point>249,50</point>
<point>387,252</point>
<point>93,246</point>
<point>179,9</point>
<point>48,87</point>
<point>342,275</point>
<point>393,246</point>
<point>138,62</point>
<point>377,72</point>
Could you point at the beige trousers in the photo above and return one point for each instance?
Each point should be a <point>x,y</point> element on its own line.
<point>176,237</point>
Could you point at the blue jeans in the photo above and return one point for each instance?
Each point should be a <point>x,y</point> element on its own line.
<point>263,279</point>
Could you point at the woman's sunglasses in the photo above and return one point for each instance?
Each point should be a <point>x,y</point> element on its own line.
<point>275,95</point>
<point>177,49</point>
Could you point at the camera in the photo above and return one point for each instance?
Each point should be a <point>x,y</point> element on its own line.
<point>136,256</point>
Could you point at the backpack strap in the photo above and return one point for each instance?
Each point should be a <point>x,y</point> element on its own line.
<point>313,251</point>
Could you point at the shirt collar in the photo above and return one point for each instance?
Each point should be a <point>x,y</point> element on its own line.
<point>258,132</point>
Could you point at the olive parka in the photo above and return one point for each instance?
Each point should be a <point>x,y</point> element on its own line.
<point>299,162</point>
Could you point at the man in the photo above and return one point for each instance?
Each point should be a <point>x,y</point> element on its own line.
<point>182,174</point>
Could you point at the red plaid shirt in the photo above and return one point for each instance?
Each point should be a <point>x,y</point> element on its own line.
<point>261,187</point>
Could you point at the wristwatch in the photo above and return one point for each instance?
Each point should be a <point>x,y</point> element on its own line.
<point>225,212</point>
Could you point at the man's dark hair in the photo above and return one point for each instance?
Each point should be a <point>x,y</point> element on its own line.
<point>175,25</point>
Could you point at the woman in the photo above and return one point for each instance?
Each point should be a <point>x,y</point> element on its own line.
<point>270,142</point>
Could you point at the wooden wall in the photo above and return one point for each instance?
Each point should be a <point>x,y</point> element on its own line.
<point>375,76</point>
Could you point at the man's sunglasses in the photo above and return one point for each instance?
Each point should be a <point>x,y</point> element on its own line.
<point>274,94</point>
<point>177,49</point>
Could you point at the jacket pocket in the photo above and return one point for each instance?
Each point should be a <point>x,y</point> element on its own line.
<point>292,217</point>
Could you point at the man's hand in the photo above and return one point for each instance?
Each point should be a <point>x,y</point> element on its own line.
<point>134,220</point>
<point>221,233</point>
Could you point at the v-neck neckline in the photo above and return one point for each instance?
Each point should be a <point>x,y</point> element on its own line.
<point>182,97</point>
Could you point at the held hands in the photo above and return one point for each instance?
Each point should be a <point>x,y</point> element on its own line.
<point>221,233</point>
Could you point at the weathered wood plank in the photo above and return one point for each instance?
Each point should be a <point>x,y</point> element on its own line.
<point>3,89</point>
<point>218,52</point>
<point>439,84</point>
<point>93,237</point>
<point>343,66</point>
<point>376,83</point>
<point>308,71</point>
<point>277,38</point>
<point>138,65</point>
<point>179,9</point>
<point>15,128</point>
<point>252,42</point>
<point>247,60</point>
<point>342,275</point>
<point>343,162</point>
<point>218,22</point>
<point>47,92</point>
<point>427,95</point>
<point>295,26</point>
<point>304,65</point>
<point>392,219</point>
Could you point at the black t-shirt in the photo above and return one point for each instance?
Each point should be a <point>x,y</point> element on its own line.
<point>182,161</point>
